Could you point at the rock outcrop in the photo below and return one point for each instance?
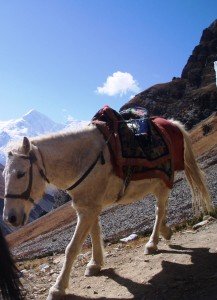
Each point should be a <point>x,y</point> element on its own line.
<point>2,186</point>
<point>192,97</point>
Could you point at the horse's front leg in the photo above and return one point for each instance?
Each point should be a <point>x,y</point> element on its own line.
<point>96,262</point>
<point>162,197</point>
<point>85,222</point>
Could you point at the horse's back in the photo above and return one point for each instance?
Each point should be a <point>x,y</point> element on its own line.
<point>174,136</point>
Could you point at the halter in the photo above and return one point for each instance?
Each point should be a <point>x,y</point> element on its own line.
<point>26,195</point>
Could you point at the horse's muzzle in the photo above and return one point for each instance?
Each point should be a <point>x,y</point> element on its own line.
<point>13,219</point>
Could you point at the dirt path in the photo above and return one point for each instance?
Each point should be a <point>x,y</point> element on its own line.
<point>185,269</point>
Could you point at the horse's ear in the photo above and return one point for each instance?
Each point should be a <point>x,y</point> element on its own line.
<point>26,145</point>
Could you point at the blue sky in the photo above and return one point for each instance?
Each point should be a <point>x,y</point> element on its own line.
<point>72,57</point>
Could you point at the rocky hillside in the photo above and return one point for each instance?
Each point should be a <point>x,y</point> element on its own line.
<point>192,97</point>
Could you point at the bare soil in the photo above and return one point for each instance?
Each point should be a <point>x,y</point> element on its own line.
<point>185,268</point>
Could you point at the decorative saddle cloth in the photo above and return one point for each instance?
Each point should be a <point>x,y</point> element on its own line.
<point>141,147</point>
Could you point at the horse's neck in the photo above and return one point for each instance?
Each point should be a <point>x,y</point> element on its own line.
<point>66,157</point>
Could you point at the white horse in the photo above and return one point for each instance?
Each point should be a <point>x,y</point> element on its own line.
<point>62,159</point>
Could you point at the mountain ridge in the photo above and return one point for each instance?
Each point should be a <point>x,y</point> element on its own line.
<point>192,97</point>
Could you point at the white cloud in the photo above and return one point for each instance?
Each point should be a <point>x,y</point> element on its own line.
<point>119,83</point>
<point>215,67</point>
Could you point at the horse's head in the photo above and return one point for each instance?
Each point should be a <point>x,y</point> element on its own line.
<point>24,182</point>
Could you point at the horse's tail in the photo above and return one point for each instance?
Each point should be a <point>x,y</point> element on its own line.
<point>9,281</point>
<point>201,200</point>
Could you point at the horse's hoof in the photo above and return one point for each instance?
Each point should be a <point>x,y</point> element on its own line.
<point>92,270</point>
<point>150,248</point>
<point>55,294</point>
<point>167,233</point>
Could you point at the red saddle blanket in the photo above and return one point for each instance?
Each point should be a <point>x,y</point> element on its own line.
<point>153,154</point>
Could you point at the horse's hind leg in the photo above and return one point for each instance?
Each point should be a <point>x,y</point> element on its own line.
<point>96,262</point>
<point>162,196</point>
<point>165,230</point>
<point>85,221</point>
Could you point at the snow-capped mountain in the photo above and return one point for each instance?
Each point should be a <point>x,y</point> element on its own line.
<point>4,138</point>
<point>31,124</point>
<point>74,124</point>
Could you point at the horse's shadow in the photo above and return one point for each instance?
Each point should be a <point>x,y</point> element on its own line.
<point>175,281</point>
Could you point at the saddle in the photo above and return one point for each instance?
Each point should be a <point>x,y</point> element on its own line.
<point>140,147</point>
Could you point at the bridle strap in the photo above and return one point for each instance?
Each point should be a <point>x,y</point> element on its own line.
<point>40,170</point>
<point>33,159</point>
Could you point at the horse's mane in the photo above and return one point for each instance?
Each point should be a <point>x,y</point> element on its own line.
<point>17,144</point>
<point>64,133</point>
<point>9,276</point>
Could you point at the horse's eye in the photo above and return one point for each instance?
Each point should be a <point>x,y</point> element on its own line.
<point>20,174</point>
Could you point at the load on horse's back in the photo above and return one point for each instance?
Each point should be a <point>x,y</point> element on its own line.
<point>9,276</point>
<point>104,163</point>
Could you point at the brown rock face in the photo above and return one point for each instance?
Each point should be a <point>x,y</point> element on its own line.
<point>193,97</point>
